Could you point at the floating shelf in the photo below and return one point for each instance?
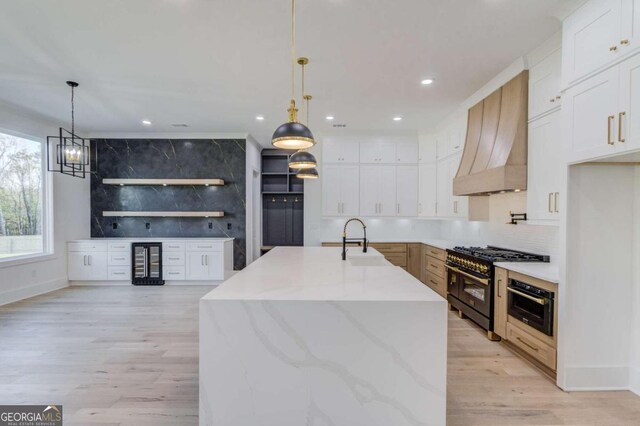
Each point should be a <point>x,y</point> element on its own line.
<point>164,182</point>
<point>161,214</point>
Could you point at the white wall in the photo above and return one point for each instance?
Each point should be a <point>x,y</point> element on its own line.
<point>254,164</point>
<point>70,217</point>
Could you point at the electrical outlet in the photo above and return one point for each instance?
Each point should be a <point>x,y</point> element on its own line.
<point>210,225</point>
<point>114,225</point>
<point>147,225</point>
<point>228,226</point>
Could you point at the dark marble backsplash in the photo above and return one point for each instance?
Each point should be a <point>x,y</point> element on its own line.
<point>171,159</point>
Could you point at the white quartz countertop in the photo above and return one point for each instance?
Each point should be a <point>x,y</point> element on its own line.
<point>541,270</point>
<point>319,274</point>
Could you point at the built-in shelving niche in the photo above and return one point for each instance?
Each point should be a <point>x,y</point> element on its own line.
<point>282,201</point>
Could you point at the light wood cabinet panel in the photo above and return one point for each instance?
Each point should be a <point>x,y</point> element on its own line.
<point>414,260</point>
<point>436,253</point>
<point>437,284</point>
<point>532,346</point>
<point>436,267</point>
<point>500,303</point>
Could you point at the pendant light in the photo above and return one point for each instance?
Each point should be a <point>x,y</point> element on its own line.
<point>308,172</point>
<point>68,153</point>
<point>303,159</point>
<point>293,135</point>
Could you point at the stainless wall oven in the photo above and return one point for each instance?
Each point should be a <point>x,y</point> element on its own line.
<point>532,305</point>
<point>146,264</point>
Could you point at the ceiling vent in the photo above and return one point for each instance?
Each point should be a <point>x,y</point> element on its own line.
<point>339,125</point>
<point>180,125</point>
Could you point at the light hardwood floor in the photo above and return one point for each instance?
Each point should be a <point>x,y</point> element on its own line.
<point>129,356</point>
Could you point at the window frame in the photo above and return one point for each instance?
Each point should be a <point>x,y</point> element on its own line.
<point>48,248</point>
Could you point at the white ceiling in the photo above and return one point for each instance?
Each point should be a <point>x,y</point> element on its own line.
<point>216,64</point>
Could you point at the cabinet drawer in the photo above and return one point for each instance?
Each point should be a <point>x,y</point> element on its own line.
<point>532,346</point>
<point>87,246</point>
<point>389,248</point>
<point>397,259</point>
<point>119,259</point>
<point>173,246</point>
<point>119,247</point>
<point>173,259</point>
<point>436,252</point>
<point>435,267</point>
<point>205,246</point>
<point>119,273</point>
<point>173,273</point>
<point>437,284</point>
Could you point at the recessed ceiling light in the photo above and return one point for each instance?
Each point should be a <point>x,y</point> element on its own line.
<point>397,118</point>
<point>329,117</point>
<point>146,122</point>
<point>260,117</point>
<point>427,81</point>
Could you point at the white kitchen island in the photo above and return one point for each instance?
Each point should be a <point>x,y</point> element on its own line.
<point>301,337</point>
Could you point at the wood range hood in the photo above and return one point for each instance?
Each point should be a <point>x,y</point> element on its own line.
<point>495,151</point>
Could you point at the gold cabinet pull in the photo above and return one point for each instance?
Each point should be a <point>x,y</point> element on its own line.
<point>527,344</point>
<point>552,100</point>
<point>555,202</point>
<point>499,281</point>
<point>613,48</point>
<point>550,197</point>
<point>624,41</point>
<point>538,300</point>
<point>620,115</point>
<point>609,121</point>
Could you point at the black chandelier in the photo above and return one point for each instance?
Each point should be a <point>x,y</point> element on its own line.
<point>68,153</point>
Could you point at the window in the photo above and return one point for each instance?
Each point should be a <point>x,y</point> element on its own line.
<point>22,198</point>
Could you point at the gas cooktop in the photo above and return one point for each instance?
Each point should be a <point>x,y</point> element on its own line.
<point>497,254</point>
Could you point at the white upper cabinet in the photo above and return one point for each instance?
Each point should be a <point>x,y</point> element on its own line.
<point>545,85</point>
<point>339,150</point>
<point>444,189</point>
<point>406,153</point>
<point>459,206</point>
<point>457,136</point>
<point>442,144</point>
<point>378,152</point>
<point>628,137</point>
<point>407,191</point>
<point>590,111</point>
<point>378,191</point>
<point>630,35</point>
<point>591,38</point>
<point>544,168</point>
<point>340,190</point>
<point>427,149</point>
<point>427,197</point>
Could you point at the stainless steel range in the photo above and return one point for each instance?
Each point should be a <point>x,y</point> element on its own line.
<point>470,280</point>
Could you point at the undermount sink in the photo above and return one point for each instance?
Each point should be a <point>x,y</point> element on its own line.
<point>367,261</point>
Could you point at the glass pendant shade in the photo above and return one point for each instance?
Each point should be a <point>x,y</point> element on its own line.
<point>307,173</point>
<point>302,160</point>
<point>293,135</point>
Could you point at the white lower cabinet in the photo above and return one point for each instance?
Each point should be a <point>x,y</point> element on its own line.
<point>192,260</point>
<point>544,168</point>
<point>202,266</point>
<point>86,266</point>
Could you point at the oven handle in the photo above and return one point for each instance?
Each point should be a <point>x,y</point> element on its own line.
<point>480,280</point>
<point>535,299</point>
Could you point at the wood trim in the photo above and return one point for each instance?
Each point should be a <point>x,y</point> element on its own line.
<point>189,182</point>
<point>160,214</point>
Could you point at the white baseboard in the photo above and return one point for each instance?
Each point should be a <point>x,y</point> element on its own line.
<point>634,380</point>
<point>596,378</point>
<point>26,292</point>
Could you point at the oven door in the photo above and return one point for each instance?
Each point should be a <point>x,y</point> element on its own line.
<point>535,310</point>
<point>475,293</point>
